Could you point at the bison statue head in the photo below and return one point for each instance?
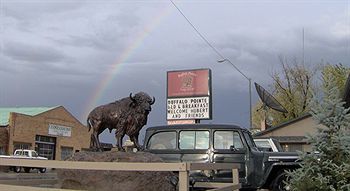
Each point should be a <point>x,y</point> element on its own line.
<point>143,101</point>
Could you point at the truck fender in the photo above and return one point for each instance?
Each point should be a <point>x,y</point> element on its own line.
<point>274,170</point>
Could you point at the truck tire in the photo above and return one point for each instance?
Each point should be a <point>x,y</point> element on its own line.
<point>17,169</point>
<point>278,184</point>
<point>42,170</point>
<point>27,169</point>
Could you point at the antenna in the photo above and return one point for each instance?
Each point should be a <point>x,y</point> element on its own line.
<point>303,46</point>
<point>268,100</point>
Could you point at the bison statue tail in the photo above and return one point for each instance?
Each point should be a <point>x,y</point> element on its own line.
<point>88,123</point>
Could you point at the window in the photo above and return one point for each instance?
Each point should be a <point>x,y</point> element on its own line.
<point>263,143</point>
<point>66,152</point>
<point>45,146</point>
<point>162,140</point>
<point>194,140</point>
<point>292,147</point>
<point>2,150</point>
<point>18,145</point>
<point>227,140</point>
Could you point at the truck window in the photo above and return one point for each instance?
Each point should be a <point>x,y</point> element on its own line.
<point>194,140</point>
<point>162,141</point>
<point>263,143</point>
<point>226,139</point>
<point>26,153</point>
<point>34,154</point>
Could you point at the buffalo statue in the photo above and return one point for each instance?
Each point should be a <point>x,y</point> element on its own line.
<point>127,115</point>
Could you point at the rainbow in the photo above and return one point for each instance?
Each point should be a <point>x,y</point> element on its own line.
<point>126,53</point>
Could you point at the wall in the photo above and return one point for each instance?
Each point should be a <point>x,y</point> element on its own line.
<point>3,140</point>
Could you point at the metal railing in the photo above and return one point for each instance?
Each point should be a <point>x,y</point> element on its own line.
<point>182,168</point>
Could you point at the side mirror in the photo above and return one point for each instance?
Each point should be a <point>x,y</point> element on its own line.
<point>232,148</point>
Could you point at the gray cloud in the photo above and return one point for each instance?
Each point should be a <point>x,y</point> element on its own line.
<point>32,53</point>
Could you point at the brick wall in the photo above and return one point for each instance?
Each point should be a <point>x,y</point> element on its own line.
<point>4,138</point>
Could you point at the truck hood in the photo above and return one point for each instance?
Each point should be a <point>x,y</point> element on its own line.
<point>282,156</point>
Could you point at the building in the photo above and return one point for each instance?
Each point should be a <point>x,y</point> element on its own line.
<point>292,134</point>
<point>52,131</point>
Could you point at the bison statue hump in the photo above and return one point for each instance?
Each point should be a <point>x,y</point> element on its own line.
<point>127,115</point>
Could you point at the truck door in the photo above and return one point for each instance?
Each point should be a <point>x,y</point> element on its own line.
<point>194,145</point>
<point>228,147</point>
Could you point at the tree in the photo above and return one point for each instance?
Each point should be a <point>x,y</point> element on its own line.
<point>292,87</point>
<point>339,73</point>
<point>327,167</point>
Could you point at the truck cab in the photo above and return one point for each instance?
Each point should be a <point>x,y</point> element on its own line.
<point>209,143</point>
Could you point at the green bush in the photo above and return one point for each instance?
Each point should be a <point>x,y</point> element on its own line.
<point>327,167</point>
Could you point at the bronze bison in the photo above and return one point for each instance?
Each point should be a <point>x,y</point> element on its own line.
<point>127,115</point>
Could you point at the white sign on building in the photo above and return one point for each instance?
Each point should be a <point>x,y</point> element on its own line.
<point>60,130</point>
<point>188,108</point>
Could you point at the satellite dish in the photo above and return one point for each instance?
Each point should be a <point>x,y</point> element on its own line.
<point>269,100</point>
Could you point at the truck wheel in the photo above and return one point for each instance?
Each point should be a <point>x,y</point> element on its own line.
<point>26,169</point>
<point>278,184</point>
<point>42,170</point>
<point>17,169</point>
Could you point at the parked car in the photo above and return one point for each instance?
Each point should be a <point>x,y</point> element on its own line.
<point>25,154</point>
<point>209,143</point>
<point>268,144</point>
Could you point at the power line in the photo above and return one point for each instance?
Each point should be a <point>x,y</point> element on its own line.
<point>223,59</point>
<point>197,31</point>
<point>207,42</point>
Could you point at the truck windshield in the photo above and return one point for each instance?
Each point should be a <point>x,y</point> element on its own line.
<point>34,154</point>
<point>249,140</point>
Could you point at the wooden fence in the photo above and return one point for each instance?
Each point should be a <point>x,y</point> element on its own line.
<point>182,168</point>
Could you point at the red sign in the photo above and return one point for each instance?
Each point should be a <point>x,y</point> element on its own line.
<point>188,83</point>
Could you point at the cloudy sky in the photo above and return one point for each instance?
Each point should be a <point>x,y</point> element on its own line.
<point>80,54</point>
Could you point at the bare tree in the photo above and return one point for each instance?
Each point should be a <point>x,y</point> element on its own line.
<point>292,86</point>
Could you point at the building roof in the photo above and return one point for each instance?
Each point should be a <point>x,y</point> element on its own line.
<point>283,124</point>
<point>31,111</point>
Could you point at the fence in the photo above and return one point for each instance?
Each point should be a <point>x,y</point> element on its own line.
<point>182,168</point>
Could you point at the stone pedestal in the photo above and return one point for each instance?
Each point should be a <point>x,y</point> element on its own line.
<point>115,180</point>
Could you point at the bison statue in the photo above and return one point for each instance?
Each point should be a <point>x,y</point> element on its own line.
<point>127,115</point>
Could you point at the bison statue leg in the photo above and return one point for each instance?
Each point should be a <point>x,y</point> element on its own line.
<point>119,136</point>
<point>96,130</point>
<point>135,140</point>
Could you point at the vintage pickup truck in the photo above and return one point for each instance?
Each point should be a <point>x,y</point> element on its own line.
<point>25,154</point>
<point>209,143</point>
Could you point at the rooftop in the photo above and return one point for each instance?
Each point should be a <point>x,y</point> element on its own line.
<point>31,111</point>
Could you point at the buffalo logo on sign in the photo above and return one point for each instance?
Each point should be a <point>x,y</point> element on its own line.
<point>187,82</point>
